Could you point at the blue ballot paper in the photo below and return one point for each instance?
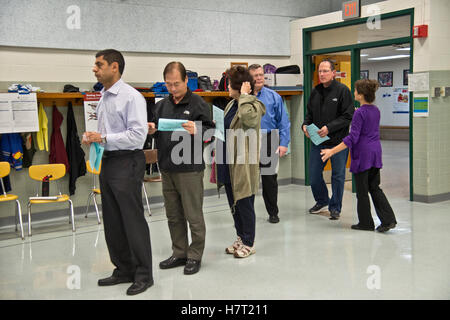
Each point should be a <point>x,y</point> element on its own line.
<point>220,126</point>
<point>171,124</point>
<point>95,155</point>
<point>315,138</point>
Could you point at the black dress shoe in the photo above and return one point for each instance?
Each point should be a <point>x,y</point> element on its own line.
<point>172,262</point>
<point>384,228</point>
<point>138,287</point>
<point>192,266</point>
<point>113,280</point>
<point>274,219</point>
<point>360,227</point>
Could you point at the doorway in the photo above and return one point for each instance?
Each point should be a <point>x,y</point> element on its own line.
<point>389,65</point>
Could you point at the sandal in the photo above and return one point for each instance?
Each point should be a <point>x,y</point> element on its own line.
<point>235,246</point>
<point>244,251</point>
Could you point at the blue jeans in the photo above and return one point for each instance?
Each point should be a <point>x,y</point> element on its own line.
<point>318,185</point>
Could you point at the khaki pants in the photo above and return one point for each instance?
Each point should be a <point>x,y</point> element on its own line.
<point>183,201</point>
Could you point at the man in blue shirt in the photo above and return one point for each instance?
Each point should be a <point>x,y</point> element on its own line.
<point>274,123</point>
<point>122,130</point>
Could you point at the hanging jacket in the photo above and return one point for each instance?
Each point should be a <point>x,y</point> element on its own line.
<point>75,154</point>
<point>42,134</point>
<point>57,150</point>
<point>28,150</point>
<point>11,148</point>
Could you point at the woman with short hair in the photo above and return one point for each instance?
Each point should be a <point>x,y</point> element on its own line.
<point>238,158</point>
<point>365,149</point>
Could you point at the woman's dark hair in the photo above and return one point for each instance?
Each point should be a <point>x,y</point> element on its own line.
<point>367,88</point>
<point>238,75</point>
<point>175,65</point>
<point>110,56</point>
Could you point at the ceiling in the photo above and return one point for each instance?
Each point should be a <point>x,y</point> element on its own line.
<point>383,52</point>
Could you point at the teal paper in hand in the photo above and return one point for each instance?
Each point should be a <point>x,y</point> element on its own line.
<point>315,138</point>
<point>171,124</point>
<point>219,120</point>
<point>95,155</point>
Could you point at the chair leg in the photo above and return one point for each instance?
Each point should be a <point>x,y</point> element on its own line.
<point>72,215</point>
<point>96,207</point>
<point>29,219</point>
<point>146,198</point>
<point>89,202</point>
<point>19,212</point>
<point>15,217</point>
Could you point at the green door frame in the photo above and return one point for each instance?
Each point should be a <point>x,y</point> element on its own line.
<point>355,50</point>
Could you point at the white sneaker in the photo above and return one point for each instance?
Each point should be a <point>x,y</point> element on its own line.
<point>236,245</point>
<point>13,88</point>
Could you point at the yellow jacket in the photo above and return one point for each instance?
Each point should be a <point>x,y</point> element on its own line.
<point>42,134</point>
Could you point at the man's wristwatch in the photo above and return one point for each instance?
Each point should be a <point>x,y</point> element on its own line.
<point>103,137</point>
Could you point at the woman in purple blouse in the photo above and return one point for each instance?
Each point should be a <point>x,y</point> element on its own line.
<point>365,149</point>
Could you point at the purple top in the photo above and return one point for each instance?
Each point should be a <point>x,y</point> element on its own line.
<point>364,139</point>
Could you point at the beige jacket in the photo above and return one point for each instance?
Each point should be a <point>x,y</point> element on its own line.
<point>243,146</point>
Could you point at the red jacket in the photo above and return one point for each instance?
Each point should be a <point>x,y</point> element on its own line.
<point>57,149</point>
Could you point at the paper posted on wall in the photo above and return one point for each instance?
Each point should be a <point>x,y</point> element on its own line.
<point>18,113</point>
<point>91,101</point>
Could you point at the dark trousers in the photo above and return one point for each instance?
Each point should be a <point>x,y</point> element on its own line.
<point>126,230</point>
<point>244,216</point>
<point>369,182</point>
<point>270,193</point>
<point>183,200</point>
<point>268,172</point>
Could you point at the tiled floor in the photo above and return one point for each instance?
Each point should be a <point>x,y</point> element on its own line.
<point>303,257</point>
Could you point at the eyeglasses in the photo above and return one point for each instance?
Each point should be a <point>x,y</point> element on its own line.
<point>174,84</point>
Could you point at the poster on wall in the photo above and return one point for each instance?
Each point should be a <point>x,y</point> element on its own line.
<point>421,105</point>
<point>90,110</point>
<point>405,77</point>
<point>419,81</point>
<point>385,78</point>
<point>401,100</point>
<point>18,113</point>
<point>364,74</point>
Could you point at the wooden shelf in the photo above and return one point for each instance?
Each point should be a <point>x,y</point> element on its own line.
<point>62,98</point>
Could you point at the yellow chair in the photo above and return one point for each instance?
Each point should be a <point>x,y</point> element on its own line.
<point>57,171</point>
<point>5,169</point>
<point>94,191</point>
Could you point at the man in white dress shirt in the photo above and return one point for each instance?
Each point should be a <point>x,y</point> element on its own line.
<point>122,130</point>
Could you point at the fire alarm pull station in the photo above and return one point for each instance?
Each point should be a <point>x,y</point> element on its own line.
<point>420,31</point>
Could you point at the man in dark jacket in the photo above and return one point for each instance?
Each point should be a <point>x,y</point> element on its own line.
<point>330,108</point>
<point>182,168</point>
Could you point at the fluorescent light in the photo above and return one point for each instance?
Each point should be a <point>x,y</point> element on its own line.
<point>364,55</point>
<point>399,56</point>
<point>403,49</point>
